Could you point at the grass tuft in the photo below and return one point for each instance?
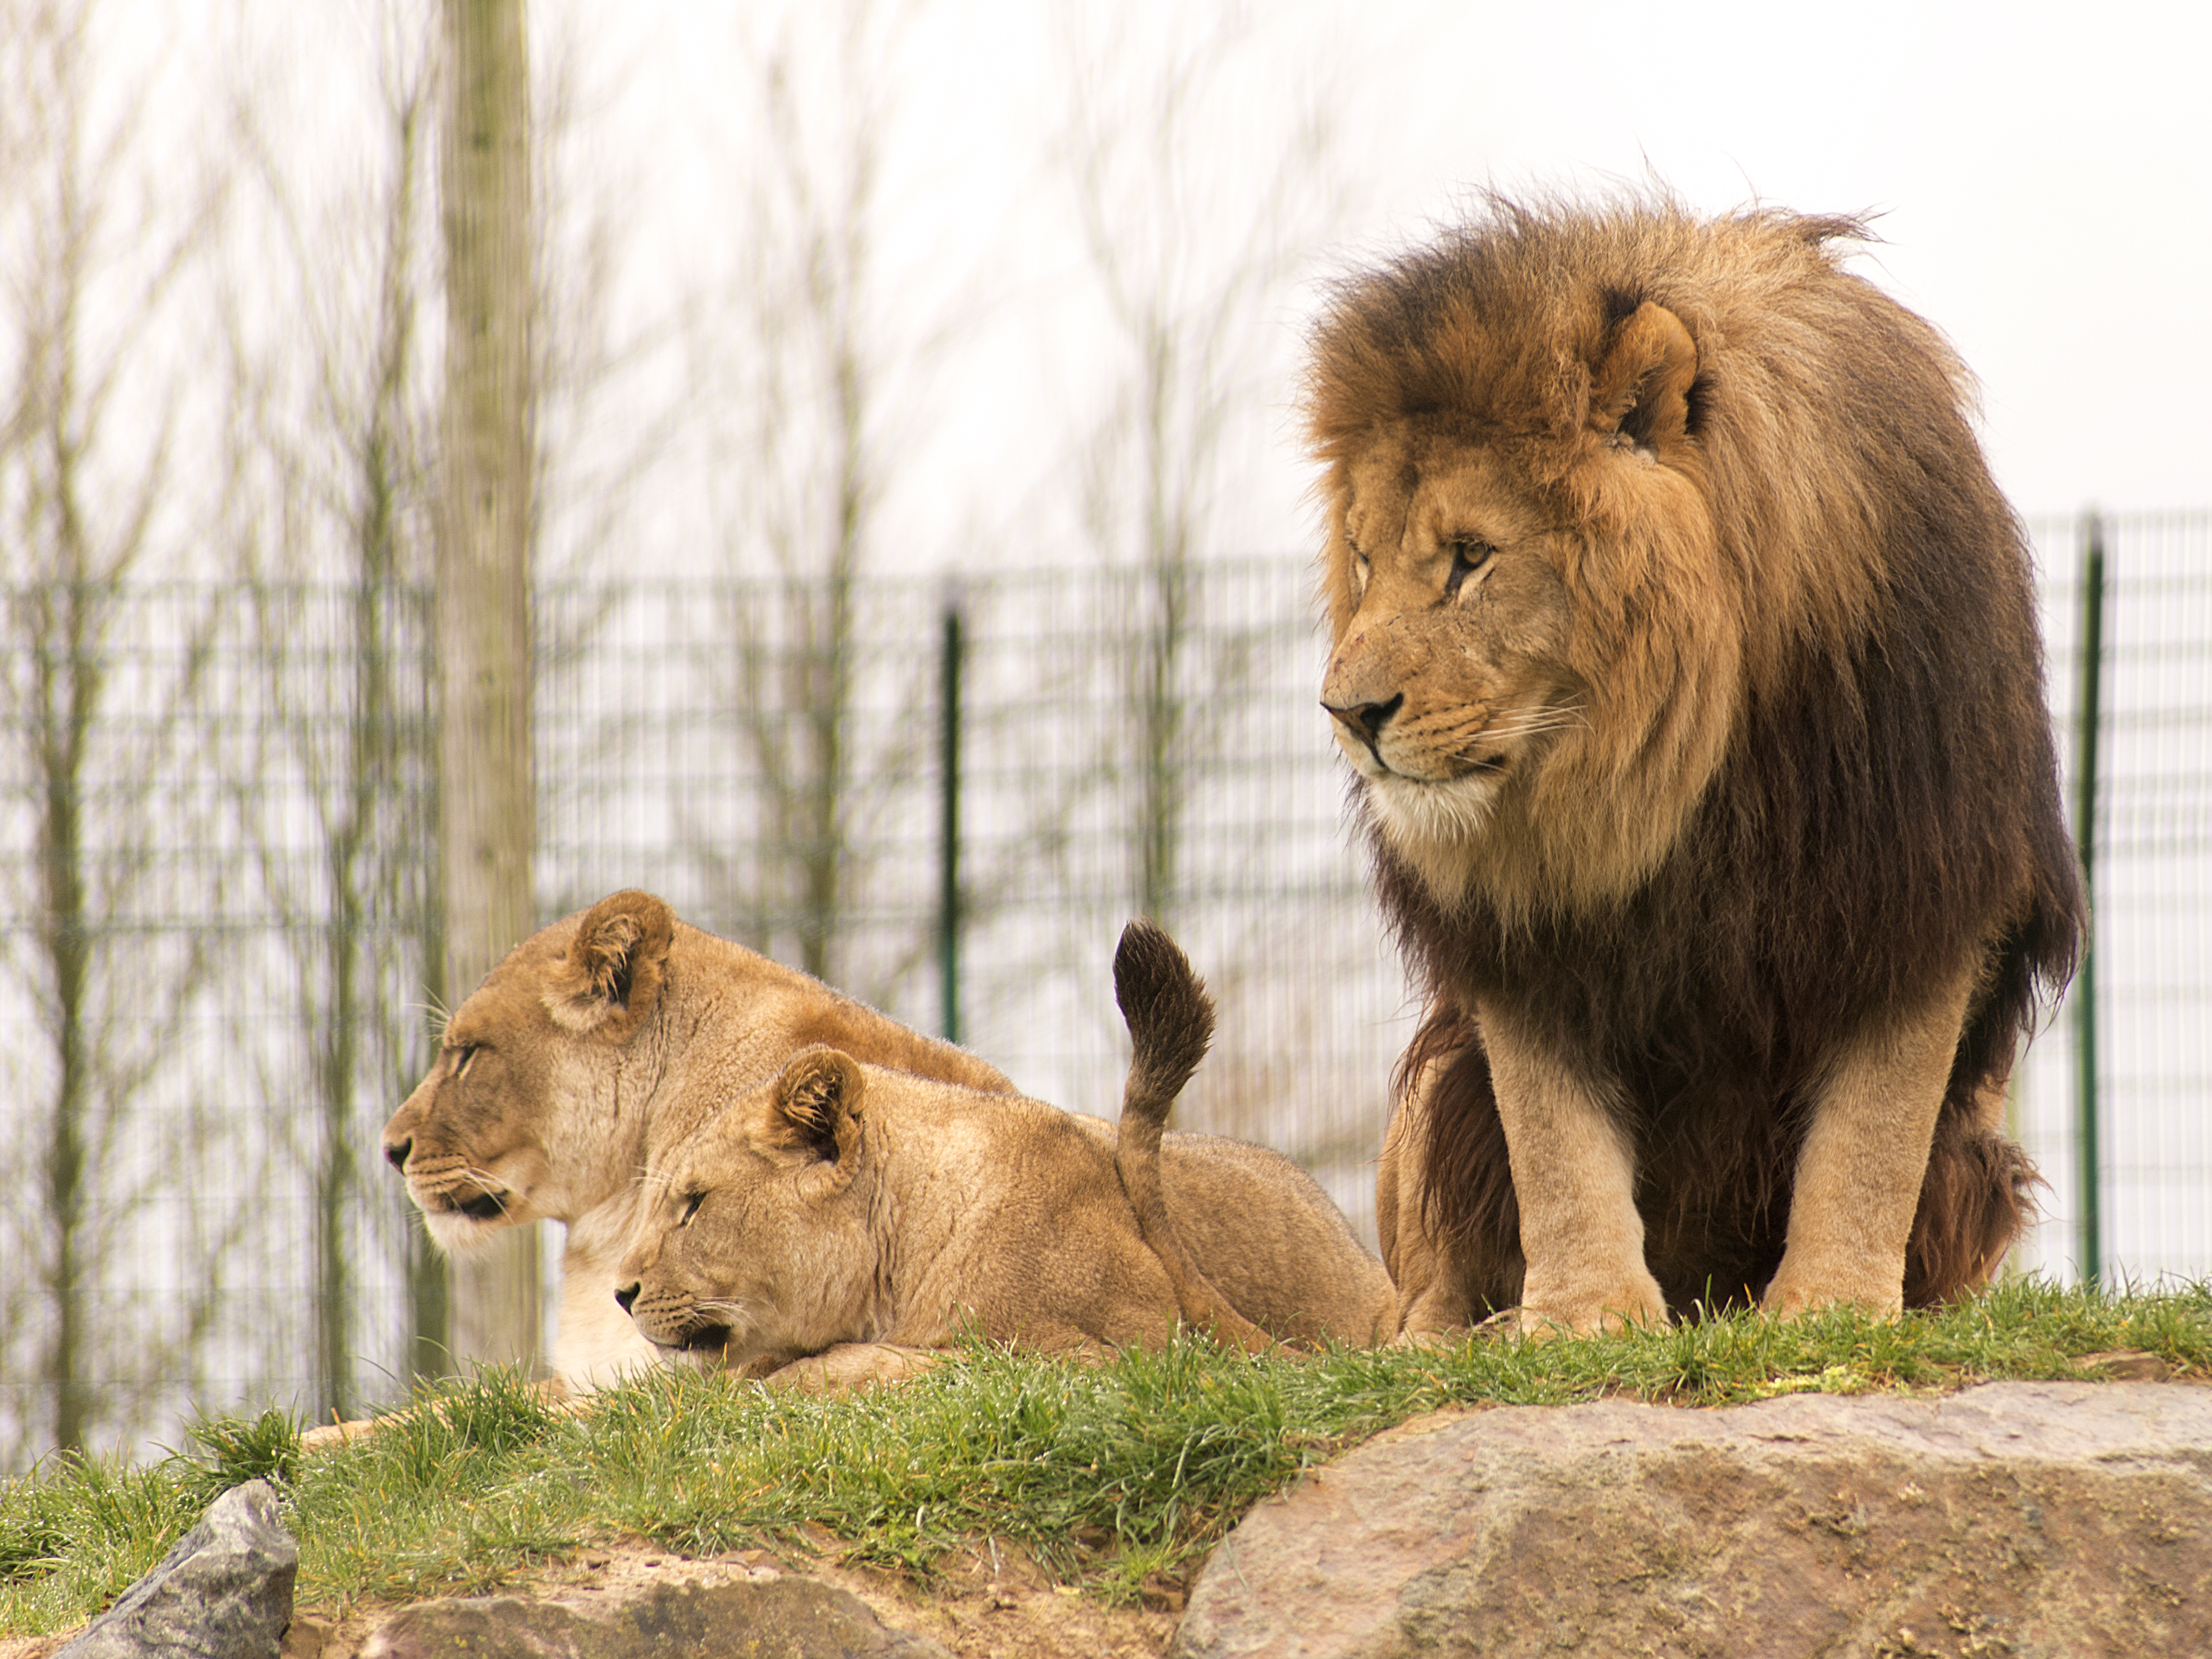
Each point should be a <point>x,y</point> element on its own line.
<point>238,1450</point>
<point>1107,1475</point>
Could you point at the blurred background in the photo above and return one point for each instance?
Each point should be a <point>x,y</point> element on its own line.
<point>772,424</point>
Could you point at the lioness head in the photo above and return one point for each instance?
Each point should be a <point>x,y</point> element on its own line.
<point>525,1064</point>
<point>756,1247</point>
<point>1537,646</point>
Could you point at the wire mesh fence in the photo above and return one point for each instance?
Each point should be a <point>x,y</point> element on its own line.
<point>2152,900</point>
<point>202,1036</point>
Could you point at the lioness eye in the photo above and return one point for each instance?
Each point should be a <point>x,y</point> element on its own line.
<point>691,1203</point>
<point>468,1052</point>
<point>1468,556</point>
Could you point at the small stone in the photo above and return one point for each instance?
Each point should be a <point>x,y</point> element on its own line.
<point>224,1591</point>
<point>1161,1592</point>
<point>2125,1365</point>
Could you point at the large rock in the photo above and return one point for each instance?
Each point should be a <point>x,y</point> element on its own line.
<point>224,1591</point>
<point>2028,1519</point>
<point>768,1617</point>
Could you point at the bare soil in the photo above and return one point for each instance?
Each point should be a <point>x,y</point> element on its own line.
<point>992,1603</point>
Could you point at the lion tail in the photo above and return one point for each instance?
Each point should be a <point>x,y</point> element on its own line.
<point>1171,1021</point>
<point>1977,1197</point>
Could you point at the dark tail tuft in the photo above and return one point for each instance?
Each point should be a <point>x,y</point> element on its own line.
<point>1170,1020</point>
<point>1168,1014</point>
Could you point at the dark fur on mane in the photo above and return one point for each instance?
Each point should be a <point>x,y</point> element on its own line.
<point>1886,810</point>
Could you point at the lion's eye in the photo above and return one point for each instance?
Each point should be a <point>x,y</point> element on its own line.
<point>468,1052</point>
<point>691,1203</point>
<point>1468,556</point>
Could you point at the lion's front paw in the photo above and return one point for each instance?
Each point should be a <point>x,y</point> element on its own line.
<point>1879,1290</point>
<point>1634,1304</point>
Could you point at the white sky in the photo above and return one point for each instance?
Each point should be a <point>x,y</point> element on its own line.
<point>2041,173</point>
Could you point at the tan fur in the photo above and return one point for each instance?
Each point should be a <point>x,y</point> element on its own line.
<point>1575,1176</point>
<point>597,1032</point>
<point>1630,514</point>
<point>833,1224</point>
<point>1431,1296</point>
<point>1548,685</point>
<point>1171,1021</point>
<point>1859,1175</point>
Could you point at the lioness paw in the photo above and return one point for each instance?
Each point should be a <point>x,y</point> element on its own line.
<point>853,1365</point>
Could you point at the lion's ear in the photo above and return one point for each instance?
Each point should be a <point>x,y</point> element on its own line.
<point>611,976</point>
<point>815,1109</point>
<point>1641,388</point>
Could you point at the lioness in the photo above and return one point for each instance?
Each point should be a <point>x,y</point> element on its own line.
<point>617,1022</point>
<point>835,1222</point>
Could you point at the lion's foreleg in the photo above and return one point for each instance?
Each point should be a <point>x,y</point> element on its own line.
<point>1574,1176</point>
<point>1865,1155</point>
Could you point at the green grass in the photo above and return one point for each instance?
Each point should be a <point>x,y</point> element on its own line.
<point>1106,1473</point>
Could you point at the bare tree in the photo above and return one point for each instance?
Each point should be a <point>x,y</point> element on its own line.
<point>330,444</point>
<point>1191,246</point>
<point>808,466</point>
<point>89,500</point>
<point>487,804</point>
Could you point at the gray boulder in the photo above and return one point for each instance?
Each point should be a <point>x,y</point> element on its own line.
<point>224,1591</point>
<point>2026,1519</point>
<point>768,1617</point>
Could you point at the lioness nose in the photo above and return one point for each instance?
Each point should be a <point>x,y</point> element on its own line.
<point>396,1154</point>
<point>624,1295</point>
<point>1366,720</point>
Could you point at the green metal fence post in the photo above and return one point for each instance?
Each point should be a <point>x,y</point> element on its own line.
<point>2088,717</point>
<point>948,871</point>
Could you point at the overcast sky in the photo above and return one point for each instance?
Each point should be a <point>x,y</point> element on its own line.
<point>2039,174</point>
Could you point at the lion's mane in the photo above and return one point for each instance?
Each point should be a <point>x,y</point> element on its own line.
<point>1817,771</point>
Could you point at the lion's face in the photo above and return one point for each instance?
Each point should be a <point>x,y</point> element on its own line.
<point>517,1118</point>
<point>1452,673</point>
<point>1536,648</point>
<point>756,1245</point>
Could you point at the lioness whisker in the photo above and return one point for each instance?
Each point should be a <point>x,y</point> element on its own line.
<point>732,1308</point>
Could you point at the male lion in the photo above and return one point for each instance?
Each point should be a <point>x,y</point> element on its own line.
<point>1686,656</point>
<point>615,1023</point>
<point>835,1224</point>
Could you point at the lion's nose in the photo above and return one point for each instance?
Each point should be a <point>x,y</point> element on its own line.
<point>624,1295</point>
<point>1365,721</point>
<point>396,1154</point>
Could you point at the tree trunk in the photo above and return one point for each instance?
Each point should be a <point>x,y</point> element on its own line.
<point>486,808</point>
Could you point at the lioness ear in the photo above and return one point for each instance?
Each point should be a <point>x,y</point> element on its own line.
<point>816,1107</point>
<point>611,976</point>
<point>1641,388</point>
